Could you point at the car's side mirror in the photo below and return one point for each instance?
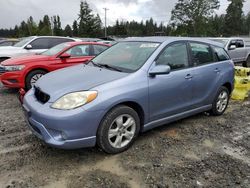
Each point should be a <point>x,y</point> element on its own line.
<point>232,47</point>
<point>160,70</point>
<point>28,47</point>
<point>65,56</point>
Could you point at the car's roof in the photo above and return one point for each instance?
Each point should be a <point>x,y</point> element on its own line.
<point>82,42</point>
<point>171,39</point>
<point>229,38</point>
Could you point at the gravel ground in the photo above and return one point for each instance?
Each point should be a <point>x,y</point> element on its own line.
<point>200,151</point>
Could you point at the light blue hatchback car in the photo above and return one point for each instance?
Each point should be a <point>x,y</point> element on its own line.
<point>134,86</point>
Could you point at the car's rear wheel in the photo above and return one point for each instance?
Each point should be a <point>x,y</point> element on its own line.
<point>220,102</point>
<point>32,78</point>
<point>118,130</point>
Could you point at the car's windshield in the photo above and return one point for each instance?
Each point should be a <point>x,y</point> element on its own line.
<point>56,49</point>
<point>23,41</point>
<point>127,56</point>
<point>222,41</point>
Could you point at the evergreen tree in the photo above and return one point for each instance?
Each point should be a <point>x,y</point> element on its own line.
<point>75,28</point>
<point>45,26</point>
<point>68,31</point>
<point>193,14</point>
<point>234,18</point>
<point>32,27</point>
<point>57,29</point>
<point>89,24</point>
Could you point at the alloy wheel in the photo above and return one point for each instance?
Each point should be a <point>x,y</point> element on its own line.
<point>122,131</point>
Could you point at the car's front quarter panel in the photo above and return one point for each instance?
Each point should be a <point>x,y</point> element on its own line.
<point>133,88</point>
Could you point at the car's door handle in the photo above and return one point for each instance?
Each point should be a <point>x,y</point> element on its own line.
<point>188,77</point>
<point>217,70</point>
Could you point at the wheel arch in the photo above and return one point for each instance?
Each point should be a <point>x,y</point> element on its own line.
<point>228,86</point>
<point>135,106</point>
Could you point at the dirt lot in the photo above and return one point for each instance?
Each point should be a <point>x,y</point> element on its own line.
<point>200,151</point>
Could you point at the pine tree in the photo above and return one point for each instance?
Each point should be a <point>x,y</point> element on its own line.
<point>32,27</point>
<point>75,28</point>
<point>68,31</point>
<point>234,18</point>
<point>45,26</point>
<point>89,24</point>
<point>57,29</point>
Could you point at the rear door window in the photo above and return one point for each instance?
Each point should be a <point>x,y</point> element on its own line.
<point>79,51</point>
<point>175,55</point>
<point>201,53</point>
<point>220,54</point>
<point>55,41</point>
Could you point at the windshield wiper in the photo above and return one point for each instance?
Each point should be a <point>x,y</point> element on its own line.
<point>95,64</point>
<point>110,67</point>
<point>105,66</point>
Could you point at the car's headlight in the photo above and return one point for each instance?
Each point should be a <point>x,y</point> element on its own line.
<point>14,68</point>
<point>74,100</point>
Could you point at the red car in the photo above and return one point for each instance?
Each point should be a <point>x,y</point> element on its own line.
<point>23,72</point>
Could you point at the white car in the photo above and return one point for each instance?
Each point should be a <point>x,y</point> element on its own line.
<point>32,45</point>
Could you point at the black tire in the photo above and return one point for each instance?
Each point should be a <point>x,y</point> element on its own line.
<point>28,84</point>
<point>247,62</point>
<point>215,111</point>
<point>103,140</point>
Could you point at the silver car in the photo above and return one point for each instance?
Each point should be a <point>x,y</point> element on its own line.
<point>237,50</point>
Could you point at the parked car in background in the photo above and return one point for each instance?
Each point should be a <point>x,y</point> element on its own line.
<point>8,42</point>
<point>32,45</point>
<point>133,86</point>
<point>23,72</point>
<point>237,50</point>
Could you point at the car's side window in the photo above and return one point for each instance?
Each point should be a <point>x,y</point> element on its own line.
<point>98,49</point>
<point>176,56</point>
<point>55,41</point>
<point>40,43</point>
<point>220,54</point>
<point>201,54</point>
<point>78,51</point>
<point>240,44</point>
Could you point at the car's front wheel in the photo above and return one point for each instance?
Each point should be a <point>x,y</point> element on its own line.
<point>118,130</point>
<point>32,78</point>
<point>220,102</point>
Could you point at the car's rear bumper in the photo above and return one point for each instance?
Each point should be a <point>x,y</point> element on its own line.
<point>70,129</point>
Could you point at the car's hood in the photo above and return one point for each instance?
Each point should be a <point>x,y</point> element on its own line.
<point>76,78</point>
<point>9,49</point>
<point>25,59</point>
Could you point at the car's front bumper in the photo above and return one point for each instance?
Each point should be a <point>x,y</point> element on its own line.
<point>12,79</point>
<point>61,129</point>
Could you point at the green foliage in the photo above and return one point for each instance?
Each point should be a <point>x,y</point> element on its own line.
<point>89,24</point>
<point>191,16</point>
<point>75,28</point>
<point>57,29</point>
<point>234,18</point>
<point>68,31</point>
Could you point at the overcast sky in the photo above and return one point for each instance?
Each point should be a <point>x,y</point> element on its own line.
<point>12,12</point>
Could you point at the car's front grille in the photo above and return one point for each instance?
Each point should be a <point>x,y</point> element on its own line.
<point>41,96</point>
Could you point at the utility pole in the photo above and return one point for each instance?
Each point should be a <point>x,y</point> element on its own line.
<point>105,21</point>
